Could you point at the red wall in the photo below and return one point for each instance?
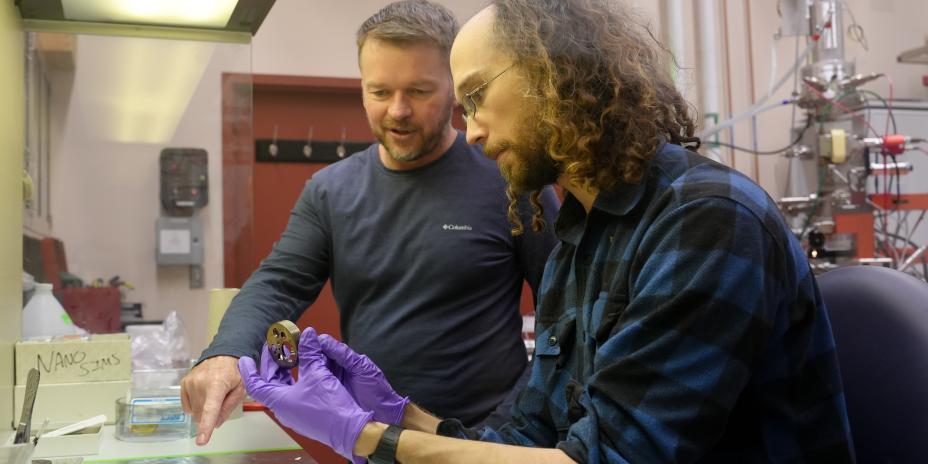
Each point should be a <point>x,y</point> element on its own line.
<point>258,197</point>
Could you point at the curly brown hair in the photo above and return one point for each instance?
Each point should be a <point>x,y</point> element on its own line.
<point>605,96</point>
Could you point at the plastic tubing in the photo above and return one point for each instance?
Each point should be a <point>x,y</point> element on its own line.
<point>760,107</point>
<point>753,111</point>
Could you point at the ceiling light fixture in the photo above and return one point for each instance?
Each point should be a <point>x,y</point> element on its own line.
<point>212,20</point>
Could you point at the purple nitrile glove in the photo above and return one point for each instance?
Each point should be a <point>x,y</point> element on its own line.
<point>364,380</point>
<point>271,371</point>
<point>316,406</point>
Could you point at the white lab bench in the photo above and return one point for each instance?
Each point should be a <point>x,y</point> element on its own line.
<point>251,433</point>
<point>252,438</point>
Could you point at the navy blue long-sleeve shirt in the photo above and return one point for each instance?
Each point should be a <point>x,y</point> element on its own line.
<point>425,273</point>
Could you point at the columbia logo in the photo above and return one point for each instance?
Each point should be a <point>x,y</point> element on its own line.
<point>456,227</point>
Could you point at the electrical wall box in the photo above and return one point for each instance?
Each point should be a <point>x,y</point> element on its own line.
<point>179,241</point>
<point>67,360</point>
<point>184,180</point>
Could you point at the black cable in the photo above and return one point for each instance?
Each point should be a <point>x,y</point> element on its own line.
<point>897,202</point>
<point>894,180</point>
<point>798,139</point>
<point>884,219</point>
<point>771,152</point>
<point>893,201</point>
<point>898,181</point>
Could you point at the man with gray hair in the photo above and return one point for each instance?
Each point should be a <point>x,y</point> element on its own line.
<point>413,233</point>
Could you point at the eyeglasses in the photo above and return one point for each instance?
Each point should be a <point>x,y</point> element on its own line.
<point>470,98</point>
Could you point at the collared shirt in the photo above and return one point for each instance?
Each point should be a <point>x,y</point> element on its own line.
<point>679,321</point>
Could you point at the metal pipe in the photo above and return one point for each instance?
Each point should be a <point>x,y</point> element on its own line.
<point>831,44</point>
<point>828,51</point>
<point>729,100</point>
<point>675,38</point>
<point>749,32</point>
<point>708,69</point>
<point>908,262</point>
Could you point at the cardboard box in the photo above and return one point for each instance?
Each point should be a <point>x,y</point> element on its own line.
<point>66,403</point>
<point>101,358</point>
<point>80,443</point>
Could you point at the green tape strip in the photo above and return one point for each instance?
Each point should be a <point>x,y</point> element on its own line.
<point>214,453</point>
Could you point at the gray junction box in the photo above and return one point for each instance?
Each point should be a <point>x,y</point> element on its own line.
<point>179,241</point>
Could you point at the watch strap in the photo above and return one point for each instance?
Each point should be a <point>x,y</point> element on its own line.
<point>385,453</point>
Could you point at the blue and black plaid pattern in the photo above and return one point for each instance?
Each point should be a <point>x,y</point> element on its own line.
<point>679,322</point>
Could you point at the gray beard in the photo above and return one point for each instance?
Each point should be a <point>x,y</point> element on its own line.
<point>411,156</point>
<point>428,144</point>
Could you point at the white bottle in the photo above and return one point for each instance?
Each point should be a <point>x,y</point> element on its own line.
<point>45,317</point>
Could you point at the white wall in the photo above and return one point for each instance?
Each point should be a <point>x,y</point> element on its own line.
<point>317,38</point>
<point>105,192</point>
<point>105,177</point>
<point>105,185</point>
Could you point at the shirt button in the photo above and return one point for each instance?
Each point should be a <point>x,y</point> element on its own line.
<point>552,340</point>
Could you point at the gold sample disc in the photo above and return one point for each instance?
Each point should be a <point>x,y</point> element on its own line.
<point>282,340</point>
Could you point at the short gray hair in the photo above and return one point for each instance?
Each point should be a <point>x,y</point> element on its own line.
<point>409,22</point>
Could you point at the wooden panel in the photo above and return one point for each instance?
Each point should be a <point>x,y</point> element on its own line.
<point>293,113</point>
<point>54,261</point>
<point>292,105</point>
<point>309,84</point>
<point>57,50</point>
<point>258,197</point>
<point>276,188</point>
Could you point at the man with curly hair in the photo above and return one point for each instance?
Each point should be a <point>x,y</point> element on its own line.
<point>678,319</point>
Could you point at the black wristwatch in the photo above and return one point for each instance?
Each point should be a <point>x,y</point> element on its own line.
<point>385,453</point>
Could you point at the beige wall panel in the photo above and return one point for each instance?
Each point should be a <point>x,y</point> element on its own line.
<point>11,203</point>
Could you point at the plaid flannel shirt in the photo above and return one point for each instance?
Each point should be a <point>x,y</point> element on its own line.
<point>679,321</point>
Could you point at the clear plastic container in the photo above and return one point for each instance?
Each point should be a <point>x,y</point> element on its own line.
<point>148,383</point>
<point>152,419</point>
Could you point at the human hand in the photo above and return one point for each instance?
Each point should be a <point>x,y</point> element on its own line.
<point>364,381</point>
<point>316,406</point>
<point>209,392</point>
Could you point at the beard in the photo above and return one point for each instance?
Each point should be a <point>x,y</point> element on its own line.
<point>525,164</point>
<point>429,137</point>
